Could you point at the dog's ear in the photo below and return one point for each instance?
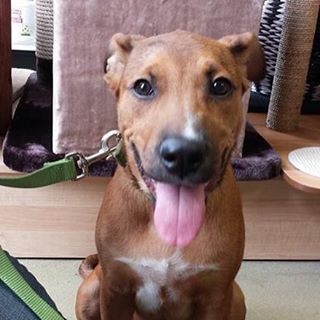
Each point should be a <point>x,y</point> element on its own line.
<point>119,49</point>
<point>247,50</point>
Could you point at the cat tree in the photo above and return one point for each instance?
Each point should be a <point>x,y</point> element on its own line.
<point>298,30</point>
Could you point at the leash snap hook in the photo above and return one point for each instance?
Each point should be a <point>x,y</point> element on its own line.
<point>81,162</point>
<point>109,144</point>
<point>110,141</point>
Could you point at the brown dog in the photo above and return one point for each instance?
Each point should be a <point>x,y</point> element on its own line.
<point>170,232</point>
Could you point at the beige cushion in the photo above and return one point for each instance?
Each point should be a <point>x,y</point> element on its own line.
<point>19,78</point>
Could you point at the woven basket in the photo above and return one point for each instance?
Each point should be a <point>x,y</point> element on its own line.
<point>269,36</point>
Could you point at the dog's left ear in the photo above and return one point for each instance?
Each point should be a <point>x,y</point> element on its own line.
<point>119,49</point>
<point>247,50</point>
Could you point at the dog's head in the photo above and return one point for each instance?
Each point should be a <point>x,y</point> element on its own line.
<point>179,106</point>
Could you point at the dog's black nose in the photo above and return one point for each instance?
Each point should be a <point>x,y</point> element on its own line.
<point>182,157</point>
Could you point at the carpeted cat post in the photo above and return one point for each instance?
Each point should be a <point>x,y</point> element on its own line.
<point>44,39</point>
<point>298,30</point>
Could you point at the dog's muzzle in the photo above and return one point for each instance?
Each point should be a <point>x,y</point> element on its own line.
<point>183,161</point>
<point>180,174</point>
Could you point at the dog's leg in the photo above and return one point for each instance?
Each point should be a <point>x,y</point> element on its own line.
<point>238,307</point>
<point>117,293</point>
<point>222,305</point>
<point>116,306</point>
<point>87,302</point>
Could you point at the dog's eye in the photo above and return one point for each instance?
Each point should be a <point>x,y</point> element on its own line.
<point>220,87</point>
<point>143,88</point>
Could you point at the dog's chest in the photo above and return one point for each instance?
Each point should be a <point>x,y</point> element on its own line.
<point>159,278</point>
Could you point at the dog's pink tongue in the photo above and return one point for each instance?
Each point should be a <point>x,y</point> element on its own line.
<point>179,212</point>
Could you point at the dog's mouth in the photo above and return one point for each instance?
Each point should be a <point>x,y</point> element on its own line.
<point>179,209</point>
<point>149,182</point>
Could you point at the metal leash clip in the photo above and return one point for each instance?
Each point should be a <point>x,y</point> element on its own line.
<point>106,152</point>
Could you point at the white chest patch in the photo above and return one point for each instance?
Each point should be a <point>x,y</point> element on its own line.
<point>156,274</point>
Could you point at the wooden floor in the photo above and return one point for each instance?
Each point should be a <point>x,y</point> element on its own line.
<point>58,221</point>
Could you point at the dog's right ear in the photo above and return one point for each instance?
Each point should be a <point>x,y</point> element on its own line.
<point>119,49</point>
<point>248,52</point>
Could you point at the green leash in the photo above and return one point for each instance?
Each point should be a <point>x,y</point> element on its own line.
<point>10,276</point>
<point>50,173</point>
<point>68,168</point>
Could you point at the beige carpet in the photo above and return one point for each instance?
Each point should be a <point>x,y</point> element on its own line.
<point>273,290</point>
